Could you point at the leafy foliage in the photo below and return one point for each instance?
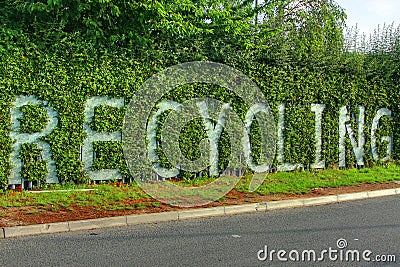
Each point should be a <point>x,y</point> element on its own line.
<point>107,119</point>
<point>34,169</point>
<point>33,120</point>
<point>66,51</point>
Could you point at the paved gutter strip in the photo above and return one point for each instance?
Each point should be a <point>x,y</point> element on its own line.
<point>17,231</point>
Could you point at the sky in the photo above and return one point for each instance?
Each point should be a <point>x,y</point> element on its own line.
<point>367,14</point>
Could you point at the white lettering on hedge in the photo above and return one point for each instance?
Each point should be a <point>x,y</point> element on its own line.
<point>152,137</point>
<point>358,147</point>
<point>281,142</point>
<point>18,139</point>
<point>250,115</point>
<point>318,109</point>
<point>375,124</point>
<point>93,136</point>
<point>213,132</point>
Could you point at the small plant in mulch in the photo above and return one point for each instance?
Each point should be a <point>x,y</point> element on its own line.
<point>156,204</point>
<point>140,206</point>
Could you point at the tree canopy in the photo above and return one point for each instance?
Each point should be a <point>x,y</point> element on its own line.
<point>205,29</point>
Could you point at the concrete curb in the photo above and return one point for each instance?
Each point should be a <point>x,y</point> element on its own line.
<point>35,229</point>
<point>152,218</point>
<point>246,208</point>
<point>284,204</point>
<point>18,231</point>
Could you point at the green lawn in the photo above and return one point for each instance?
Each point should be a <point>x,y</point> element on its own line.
<point>113,196</point>
<point>104,197</point>
<point>303,182</point>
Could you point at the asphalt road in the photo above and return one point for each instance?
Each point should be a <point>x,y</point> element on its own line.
<point>372,225</point>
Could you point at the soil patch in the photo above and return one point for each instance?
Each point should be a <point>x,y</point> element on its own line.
<point>48,214</point>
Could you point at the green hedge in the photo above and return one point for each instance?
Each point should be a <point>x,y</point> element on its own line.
<point>65,68</point>
<point>67,82</point>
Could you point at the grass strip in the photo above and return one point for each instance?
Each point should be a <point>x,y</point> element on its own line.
<point>112,196</point>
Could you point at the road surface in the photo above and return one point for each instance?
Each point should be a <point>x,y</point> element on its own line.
<point>368,225</point>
